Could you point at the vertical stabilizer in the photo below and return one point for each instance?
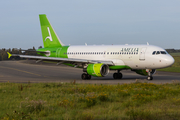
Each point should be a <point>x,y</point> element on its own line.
<point>50,38</point>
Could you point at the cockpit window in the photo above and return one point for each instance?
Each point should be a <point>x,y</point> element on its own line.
<point>158,52</point>
<point>154,53</point>
<point>163,52</point>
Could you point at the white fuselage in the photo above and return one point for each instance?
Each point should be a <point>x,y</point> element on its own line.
<point>134,56</point>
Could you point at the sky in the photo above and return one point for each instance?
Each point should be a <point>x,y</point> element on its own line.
<point>91,21</point>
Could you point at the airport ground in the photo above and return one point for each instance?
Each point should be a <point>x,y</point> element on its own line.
<point>57,96</point>
<point>28,71</point>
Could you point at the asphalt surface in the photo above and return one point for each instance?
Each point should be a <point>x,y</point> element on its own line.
<point>28,71</point>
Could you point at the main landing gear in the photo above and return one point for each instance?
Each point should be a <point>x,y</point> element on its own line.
<point>86,76</point>
<point>117,75</point>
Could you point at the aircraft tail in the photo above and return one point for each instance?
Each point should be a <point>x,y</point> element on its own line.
<point>50,38</point>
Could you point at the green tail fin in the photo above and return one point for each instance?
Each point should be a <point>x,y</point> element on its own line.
<point>50,38</point>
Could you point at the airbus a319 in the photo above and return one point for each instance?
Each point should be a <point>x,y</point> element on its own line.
<point>98,60</point>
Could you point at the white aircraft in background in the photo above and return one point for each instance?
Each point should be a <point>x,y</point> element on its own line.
<point>97,60</point>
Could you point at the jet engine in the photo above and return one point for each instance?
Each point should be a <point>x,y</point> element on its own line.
<point>97,70</point>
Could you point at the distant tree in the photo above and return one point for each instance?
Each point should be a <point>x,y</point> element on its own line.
<point>13,51</point>
<point>4,55</point>
<point>20,52</point>
<point>39,47</point>
<point>9,50</point>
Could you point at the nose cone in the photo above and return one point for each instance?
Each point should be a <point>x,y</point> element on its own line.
<point>169,60</point>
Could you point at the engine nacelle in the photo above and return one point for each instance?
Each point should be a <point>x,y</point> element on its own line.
<point>97,70</point>
<point>145,71</point>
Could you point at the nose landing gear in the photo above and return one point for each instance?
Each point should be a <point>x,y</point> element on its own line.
<point>149,74</point>
<point>149,78</point>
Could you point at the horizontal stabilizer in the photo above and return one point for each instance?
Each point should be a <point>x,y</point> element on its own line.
<point>34,51</point>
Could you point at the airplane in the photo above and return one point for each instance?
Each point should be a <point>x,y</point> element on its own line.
<point>98,60</point>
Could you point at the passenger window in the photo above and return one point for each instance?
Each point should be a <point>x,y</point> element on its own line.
<point>154,53</point>
<point>158,52</point>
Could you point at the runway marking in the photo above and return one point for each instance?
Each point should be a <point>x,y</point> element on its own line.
<point>20,70</point>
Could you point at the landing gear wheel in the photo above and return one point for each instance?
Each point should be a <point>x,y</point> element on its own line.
<point>88,76</point>
<point>149,78</point>
<point>117,75</point>
<point>120,76</point>
<point>85,76</point>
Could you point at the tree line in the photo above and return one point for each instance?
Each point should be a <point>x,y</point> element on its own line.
<point>173,50</point>
<point>4,55</point>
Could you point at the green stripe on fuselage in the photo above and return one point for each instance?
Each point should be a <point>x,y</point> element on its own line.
<point>60,52</point>
<point>119,67</point>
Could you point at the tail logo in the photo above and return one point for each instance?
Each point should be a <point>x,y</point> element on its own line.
<point>49,37</point>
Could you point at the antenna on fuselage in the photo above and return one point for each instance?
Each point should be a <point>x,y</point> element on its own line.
<point>147,43</point>
<point>85,44</point>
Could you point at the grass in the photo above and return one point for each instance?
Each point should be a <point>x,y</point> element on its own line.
<point>175,54</point>
<point>136,101</point>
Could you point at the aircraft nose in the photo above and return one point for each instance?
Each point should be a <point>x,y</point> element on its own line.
<point>169,60</point>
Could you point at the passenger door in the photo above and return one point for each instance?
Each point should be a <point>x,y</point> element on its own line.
<point>142,54</point>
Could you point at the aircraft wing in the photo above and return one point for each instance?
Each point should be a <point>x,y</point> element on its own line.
<point>64,60</point>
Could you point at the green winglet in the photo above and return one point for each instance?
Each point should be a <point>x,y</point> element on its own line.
<point>9,55</point>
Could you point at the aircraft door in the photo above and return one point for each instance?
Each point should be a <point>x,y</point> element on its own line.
<point>142,54</point>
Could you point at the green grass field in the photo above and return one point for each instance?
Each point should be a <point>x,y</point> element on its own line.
<point>175,54</point>
<point>52,101</point>
<point>176,66</point>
